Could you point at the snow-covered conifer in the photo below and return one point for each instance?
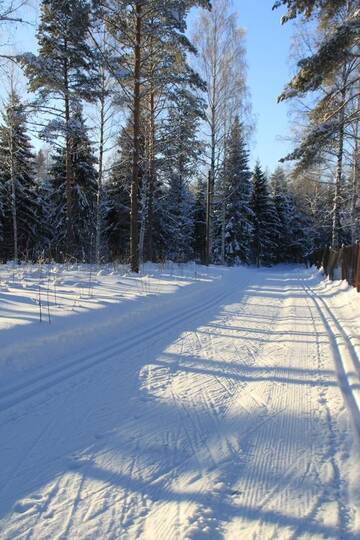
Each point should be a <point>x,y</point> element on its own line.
<point>84,186</point>
<point>181,149</point>
<point>265,221</point>
<point>19,207</point>
<point>237,198</point>
<point>62,73</point>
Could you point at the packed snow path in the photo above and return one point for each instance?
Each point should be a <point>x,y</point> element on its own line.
<point>229,409</point>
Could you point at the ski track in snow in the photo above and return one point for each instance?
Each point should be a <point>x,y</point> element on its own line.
<point>228,408</point>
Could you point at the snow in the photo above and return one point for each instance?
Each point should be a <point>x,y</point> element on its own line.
<point>182,403</point>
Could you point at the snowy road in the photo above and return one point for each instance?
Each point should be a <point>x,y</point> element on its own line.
<point>230,412</point>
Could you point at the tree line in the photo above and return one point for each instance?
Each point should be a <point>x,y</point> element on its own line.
<point>178,184</point>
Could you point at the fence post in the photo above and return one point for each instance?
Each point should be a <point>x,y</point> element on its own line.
<point>346,258</point>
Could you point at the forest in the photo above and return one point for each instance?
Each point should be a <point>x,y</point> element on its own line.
<point>133,140</point>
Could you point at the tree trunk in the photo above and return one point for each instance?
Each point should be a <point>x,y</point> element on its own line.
<point>68,166</point>
<point>208,221</point>
<point>224,194</point>
<point>13,191</point>
<point>134,225</point>
<point>144,215</point>
<point>150,232</point>
<point>355,192</point>
<point>212,177</point>
<point>223,225</point>
<point>100,175</point>
<point>336,225</point>
<point>213,129</point>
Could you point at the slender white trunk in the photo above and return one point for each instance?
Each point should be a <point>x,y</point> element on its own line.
<point>355,194</point>
<point>100,178</point>
<point>355,188</point>
<point>336,224</point>
<point>223,225</point>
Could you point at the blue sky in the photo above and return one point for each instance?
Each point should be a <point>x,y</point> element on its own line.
<point>268,45</point>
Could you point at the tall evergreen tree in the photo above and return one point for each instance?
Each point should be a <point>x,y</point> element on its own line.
<point>19,207</point>
<point>117,199</point>
<point>63,72</point>
<point>237,198</point>
<point>135,25</point>
<point>181,150</point>
<point>334,70</point>
<point>265,239</point>
<point>84,192</point>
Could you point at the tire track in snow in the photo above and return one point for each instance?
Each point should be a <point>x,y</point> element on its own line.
<point>277,450</point>
<point>345,357</point>
<point>338,484</point>
<point>201,454</point>
<point>199,400</point>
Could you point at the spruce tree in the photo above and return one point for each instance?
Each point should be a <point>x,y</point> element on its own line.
<point>117,199</point>
<point>84,176</point>
<point>181,150</point>
<point>265,239</point>
<point>19,207</point>
<point>237,198</point>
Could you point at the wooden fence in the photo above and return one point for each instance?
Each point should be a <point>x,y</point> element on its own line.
<point>342,263</point>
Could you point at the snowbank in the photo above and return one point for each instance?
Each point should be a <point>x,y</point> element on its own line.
<point>47,310</point>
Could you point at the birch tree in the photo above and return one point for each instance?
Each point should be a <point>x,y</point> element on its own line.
<point>221,63</point>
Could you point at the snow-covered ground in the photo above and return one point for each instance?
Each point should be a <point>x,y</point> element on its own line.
<point>184,403</point>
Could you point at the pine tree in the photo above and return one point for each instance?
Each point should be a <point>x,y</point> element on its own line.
<point>265,241</point>
<point>332,52</point>
<point>19,207</point>
<point>63,71</point>
<point>136,25</point>
<point>237,198</point>
<point>333,68</point>
<point>84,192</point>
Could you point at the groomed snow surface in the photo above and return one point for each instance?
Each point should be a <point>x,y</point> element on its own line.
<point>184,403</point>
